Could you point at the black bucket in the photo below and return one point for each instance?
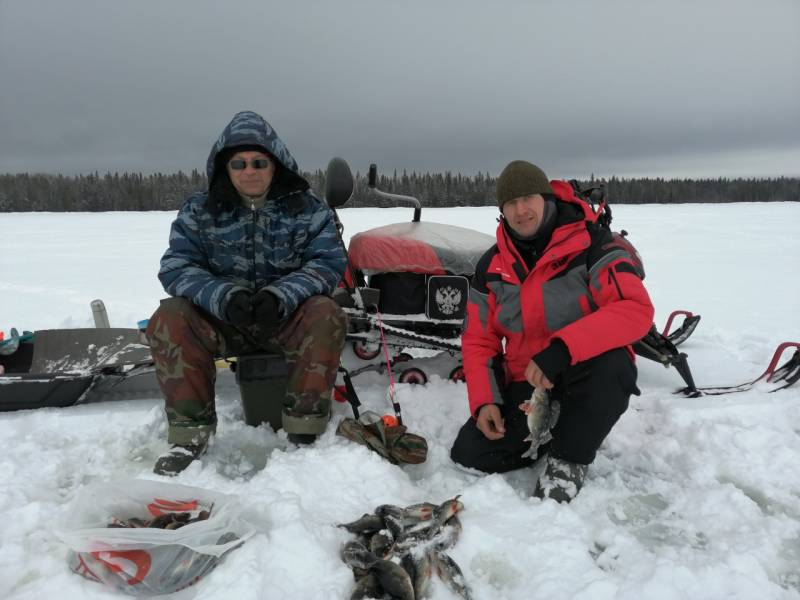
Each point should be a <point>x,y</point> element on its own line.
<point>262,385</point>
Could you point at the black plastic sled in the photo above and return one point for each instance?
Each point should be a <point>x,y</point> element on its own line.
<point>62,367</point>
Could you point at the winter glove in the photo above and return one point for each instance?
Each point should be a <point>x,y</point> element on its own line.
<point>266,307</point>
<point>239,311</point>
<point>266,312</point>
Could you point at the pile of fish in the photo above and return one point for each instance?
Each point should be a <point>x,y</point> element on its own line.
<point>397,550</point>
<point>170,520</point>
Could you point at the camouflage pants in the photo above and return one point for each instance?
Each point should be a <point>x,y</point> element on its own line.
<point>185,340</point>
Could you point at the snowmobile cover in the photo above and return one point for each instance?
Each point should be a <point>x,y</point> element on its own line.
<point>421,247</point>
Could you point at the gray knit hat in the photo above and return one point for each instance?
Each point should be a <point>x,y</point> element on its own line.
<point>521,178</point>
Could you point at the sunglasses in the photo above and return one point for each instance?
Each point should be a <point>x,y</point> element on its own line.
<point>239,164</point>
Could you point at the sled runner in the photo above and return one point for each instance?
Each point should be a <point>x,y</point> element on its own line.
<point>776,378</point>
<point>681,333</point>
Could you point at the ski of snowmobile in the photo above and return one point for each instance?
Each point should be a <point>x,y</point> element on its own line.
<point>773,378</point>
<point>681,333</point>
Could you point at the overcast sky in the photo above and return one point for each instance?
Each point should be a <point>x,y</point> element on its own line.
<point>626,87</point>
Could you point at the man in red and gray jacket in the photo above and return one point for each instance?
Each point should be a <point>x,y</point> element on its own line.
<point>555,304</point>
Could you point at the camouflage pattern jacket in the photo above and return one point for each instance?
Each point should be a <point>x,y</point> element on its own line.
<point>290,245</point>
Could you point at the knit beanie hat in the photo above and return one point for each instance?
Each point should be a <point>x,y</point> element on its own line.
<point>521,178</point>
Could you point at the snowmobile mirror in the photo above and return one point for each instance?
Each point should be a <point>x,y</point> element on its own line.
<point>338,182</point>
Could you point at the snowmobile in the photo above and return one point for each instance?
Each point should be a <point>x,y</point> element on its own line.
<point>407,285</point>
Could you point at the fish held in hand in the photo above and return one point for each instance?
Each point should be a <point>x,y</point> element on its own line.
<point>542,415</point>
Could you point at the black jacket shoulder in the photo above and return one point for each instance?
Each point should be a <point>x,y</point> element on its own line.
<point>481,269</point>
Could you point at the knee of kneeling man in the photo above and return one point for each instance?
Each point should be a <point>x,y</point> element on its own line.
<point>610,370</point>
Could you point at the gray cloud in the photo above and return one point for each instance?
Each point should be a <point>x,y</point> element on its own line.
<point>631,87</point>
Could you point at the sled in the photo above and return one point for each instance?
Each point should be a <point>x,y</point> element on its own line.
<point>62,367</point>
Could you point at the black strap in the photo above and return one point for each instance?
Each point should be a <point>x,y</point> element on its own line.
<point>350,390</point>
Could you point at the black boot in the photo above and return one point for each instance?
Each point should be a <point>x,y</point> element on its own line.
<point>178,457</point>
<point>561,480</point>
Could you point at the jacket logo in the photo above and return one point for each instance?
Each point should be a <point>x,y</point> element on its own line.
<point>558,263</point>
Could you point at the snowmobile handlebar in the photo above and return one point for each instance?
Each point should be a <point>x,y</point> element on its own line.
<point>372,181</point>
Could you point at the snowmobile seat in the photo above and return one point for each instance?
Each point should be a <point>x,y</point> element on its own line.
<point>428,248</point>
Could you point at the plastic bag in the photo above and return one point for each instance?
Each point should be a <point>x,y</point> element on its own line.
<point>149,561</point>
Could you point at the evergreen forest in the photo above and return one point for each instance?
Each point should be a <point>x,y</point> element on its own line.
<point>24,192</point>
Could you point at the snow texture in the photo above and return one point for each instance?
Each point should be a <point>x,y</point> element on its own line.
<point>688,498</point>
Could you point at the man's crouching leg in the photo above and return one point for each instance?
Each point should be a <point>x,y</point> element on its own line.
<point>312,343</point>
<point>183,345</point>
<point>593,396</point>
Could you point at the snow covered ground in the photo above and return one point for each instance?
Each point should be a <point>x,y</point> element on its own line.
<point>688,498</point>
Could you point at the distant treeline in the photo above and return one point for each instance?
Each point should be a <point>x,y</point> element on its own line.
<point>134,191</point>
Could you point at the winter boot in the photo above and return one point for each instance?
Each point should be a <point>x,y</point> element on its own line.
<point>561,480</point>
<point>178,457</point>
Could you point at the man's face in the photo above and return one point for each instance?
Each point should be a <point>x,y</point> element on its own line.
<point>251,180</point>
<point>524,214</point>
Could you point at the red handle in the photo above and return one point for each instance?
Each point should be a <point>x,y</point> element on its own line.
<point>775,358</point>
<point>672,315</point>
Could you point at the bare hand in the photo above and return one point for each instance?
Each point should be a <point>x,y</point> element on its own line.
<point>490,422</point>
<point>535,376</point>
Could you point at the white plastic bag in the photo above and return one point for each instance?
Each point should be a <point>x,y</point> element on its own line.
<point>150,561</point>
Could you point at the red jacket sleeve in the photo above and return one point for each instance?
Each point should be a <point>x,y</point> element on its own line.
<point>624,312</point>
<point>481,346</point>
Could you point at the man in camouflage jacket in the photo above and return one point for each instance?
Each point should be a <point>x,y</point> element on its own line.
<point>250,266</point>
